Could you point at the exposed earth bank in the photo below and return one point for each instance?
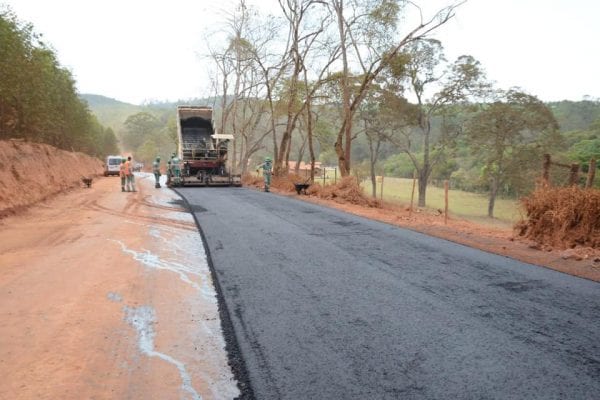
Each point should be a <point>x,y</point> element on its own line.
<point>32,172</point>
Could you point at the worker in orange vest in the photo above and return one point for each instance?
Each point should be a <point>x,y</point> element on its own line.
<point>122,174</point>
<point>130,185</point>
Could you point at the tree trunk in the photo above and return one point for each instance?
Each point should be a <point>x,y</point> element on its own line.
<point>373,156</point>
<point>342,145</point>
<point>373,184</point>
<point>288,150</point>
<point>372,161</point>
<point>422,189</point>
<point>344,171</point>
<point>309,135</point>
<point>273,126</point>
<point>424,172</point>
<point>493,194</point>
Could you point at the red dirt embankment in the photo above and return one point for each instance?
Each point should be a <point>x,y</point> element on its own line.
<point>32,172</point>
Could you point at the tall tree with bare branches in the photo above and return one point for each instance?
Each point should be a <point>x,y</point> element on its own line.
<point>369,41</point>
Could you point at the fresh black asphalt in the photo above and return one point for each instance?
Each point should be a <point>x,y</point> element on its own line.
<point>327,305</point>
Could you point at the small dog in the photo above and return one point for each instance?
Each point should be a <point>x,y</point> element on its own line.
<point>86,181</point>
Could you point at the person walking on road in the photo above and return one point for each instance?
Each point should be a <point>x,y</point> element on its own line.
<point>129,175</point>
<point>122,174</point>
<point>156,171</point>
<point>267,170</point>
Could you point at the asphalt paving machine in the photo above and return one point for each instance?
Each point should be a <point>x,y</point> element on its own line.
<point>202,151</point>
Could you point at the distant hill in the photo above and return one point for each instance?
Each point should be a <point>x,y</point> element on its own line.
<point>575,115</point>
<point>113,113</point>
<point>571,115</point>
<point>110,112</point>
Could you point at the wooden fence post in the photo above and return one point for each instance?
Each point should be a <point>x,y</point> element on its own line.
<point>591,173</point>
<point>574,176</point>
<point>412,196</point>
<point>546,167</point>
<point>446,202</point>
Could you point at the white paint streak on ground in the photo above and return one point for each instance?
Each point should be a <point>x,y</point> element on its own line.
<point>182,216</point>
<point>171,202</point>
<point>113,296</point>
<point>181,251</point>
<point>150,260</point>
<point>142,319</point>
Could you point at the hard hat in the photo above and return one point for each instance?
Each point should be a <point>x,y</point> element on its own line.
<point>267,158</point>
<point>123,160</point>
<point>157,158</point>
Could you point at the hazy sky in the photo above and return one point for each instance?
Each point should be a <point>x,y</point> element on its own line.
<point>136,51</point>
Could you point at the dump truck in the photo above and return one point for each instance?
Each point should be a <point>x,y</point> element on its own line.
<point>202,151</point>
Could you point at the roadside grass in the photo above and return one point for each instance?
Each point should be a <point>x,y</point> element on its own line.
<point>465,205</point>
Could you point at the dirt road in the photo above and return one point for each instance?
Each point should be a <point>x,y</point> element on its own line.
<point>108,295</point>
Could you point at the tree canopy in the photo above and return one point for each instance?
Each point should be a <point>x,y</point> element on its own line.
<point>38,97</point>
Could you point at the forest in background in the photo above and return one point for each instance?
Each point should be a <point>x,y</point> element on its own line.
<point>38,97</point>
<point>577,121</point>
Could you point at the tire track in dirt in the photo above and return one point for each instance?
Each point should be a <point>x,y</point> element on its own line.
<point>95,206</point>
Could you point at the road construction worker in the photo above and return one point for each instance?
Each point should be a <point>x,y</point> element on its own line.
<point>267,170</point>
<point>175,166</point>
<point>156,171</point>
<point>122,174</point>
<point>130,185</point>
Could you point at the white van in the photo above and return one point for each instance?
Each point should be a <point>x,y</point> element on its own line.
<point>112,164</point>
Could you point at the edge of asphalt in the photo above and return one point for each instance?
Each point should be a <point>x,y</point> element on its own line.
<point>236,361</point>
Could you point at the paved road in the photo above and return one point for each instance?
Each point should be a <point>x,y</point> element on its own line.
<point>326,305</point>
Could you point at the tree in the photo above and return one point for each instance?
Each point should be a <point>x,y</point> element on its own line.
<point>509,136</point>
<point>367,39</point>
<point>383,114</point>
<point>304,30</point>
<point>245,74</point>
<point>138,127</point>
<point>38,98</point>
<point>585,145</point>
<point>460,82</point>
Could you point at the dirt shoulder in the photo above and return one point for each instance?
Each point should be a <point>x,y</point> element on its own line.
<point>108,295</point>
<point>582,262</point>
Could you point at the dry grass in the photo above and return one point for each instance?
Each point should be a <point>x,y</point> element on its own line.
<point>347,190</point>
<point>562,217</point>
<point>252,180</point>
